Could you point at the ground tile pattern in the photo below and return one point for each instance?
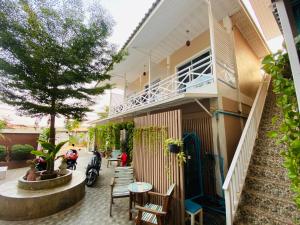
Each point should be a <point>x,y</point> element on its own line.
<point>266,198</point>
<point>93,209</point>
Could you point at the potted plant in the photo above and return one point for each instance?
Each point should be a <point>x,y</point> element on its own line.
<point>173,145</point>
<point>48,153</point>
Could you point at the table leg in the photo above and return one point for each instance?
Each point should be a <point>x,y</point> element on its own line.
<point>130,206</point>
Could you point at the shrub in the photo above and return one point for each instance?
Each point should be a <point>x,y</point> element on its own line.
<point>21,152</point>
<point>2,152</point>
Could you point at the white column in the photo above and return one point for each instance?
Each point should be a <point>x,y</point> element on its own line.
<point>125,86</point>
<point>149,76</point>
<point>290,45</point>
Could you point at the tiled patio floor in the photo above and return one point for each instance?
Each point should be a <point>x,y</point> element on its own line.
<point>93,209</point>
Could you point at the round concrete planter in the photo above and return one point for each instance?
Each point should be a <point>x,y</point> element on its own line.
<point>21,204</point>
<point>45,184</point>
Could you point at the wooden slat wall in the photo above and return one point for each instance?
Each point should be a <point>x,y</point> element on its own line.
<point>201,124</point>
<point>150,161</point>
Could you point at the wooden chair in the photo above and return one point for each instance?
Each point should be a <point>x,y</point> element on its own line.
<point>119,187</point>
<point>155,214</point>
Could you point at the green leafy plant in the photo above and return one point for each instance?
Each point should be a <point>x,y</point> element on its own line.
<point>53,52</point>
<point>49,153</point>
<point>2,126</point>
<point>2,152</point>
<point>178,142</point>
<point>288,135</point>
<point>45,135</point>
<point>108,136</point>
<point>21,152</point>
<point>150,134</point>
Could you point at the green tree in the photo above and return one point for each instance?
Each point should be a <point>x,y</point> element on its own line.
<point>70,124</point>
<point>2,126</point>
<point>51,54</point>
<point>104,114</point>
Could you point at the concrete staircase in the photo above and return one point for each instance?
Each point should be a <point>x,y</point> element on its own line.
<point>266,198</point>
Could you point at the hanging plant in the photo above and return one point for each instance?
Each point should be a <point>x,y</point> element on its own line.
<point>150,135</point>
<point>172,145</point>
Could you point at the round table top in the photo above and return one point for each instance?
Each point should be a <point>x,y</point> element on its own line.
<point>139,187</point>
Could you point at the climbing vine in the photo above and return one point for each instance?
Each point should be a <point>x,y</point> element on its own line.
<point>108,136</point>
<point>277,65</point>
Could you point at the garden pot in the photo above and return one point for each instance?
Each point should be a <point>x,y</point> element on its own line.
<point>47,176</point>
<point>174,148</point>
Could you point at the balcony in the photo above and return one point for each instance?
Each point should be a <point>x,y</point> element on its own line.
<point>186,82</point>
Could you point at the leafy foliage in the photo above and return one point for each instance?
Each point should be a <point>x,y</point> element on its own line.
<point>44,135</point>
<point>108,136</point>
<point>2,126</point>
<point>52,53</point>
<point>2,152</point>
<point>105,113</point>
<point>278,67</point>
<point>180,156</point>
<point>49,153</point>
<point>71,125</point>
<point>21,152</point>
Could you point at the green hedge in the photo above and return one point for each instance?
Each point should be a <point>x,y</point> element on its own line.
<point>21,152</point>
<point>2,152</point>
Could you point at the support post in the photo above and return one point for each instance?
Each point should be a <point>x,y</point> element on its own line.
<point>290,45</point>
<point>149,77</point>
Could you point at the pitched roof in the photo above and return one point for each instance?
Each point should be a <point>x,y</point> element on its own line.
<point>141,23</point>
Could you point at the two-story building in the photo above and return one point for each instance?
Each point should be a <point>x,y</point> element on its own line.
<point>193,66</point>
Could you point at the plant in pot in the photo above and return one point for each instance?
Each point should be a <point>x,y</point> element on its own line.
<point>49,153</point>
<point>173,145</point>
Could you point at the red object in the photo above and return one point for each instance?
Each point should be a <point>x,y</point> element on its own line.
<point>71,154</point>
<point>123,159</point>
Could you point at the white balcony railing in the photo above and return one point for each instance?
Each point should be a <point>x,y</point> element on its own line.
<point>184,81</point>
<point>237,172</point>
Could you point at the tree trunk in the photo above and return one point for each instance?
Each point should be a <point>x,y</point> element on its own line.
<point>52,130</point>
<point>50,164</point>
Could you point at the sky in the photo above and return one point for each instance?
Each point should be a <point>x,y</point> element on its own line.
<point>126,14</point>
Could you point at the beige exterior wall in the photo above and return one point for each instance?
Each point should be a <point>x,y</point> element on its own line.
<point>161,70</point>
<point>198,44</point>
<point>248,65</point>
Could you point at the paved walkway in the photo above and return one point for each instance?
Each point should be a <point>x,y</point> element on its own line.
<point>93,209</point>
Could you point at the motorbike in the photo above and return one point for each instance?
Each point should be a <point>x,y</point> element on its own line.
<point>71,157</point>
<point>93,168</point>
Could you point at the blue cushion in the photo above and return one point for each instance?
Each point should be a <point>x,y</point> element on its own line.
<point>191,206</point>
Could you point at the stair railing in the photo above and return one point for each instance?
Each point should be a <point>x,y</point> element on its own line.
<point>237,172</point>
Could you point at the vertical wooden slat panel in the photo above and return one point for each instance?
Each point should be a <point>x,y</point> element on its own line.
<point>150,160</point>
<point>202,126</point>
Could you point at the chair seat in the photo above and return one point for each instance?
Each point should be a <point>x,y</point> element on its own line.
<point>149,217</point>
<point>191,206</point>
<point>120,191</point>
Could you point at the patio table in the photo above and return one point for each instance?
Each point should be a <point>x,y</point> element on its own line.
<point>137,188</point>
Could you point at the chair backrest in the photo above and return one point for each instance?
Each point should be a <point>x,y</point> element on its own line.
<point>115,153</point>
<point>167,200</point>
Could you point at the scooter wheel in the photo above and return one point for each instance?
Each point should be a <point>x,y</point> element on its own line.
<point>90,179</point>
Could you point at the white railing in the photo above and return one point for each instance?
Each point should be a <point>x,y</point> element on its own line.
<point>237,172</point>
<point>186,80</point>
